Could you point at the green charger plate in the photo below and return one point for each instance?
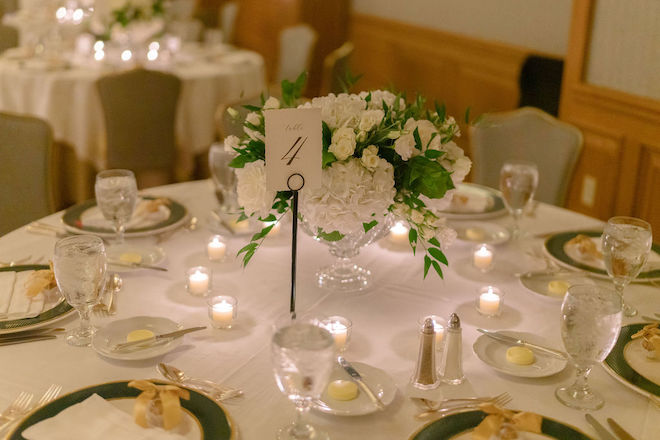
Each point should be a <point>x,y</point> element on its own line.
<point>616,364</point>
<point>60,311</point>
<point>212,419</point>
<point>453,425</point>
<point>72,220</point>
<point>555,247</point>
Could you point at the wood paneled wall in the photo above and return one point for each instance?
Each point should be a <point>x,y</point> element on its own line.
<point>621,137</point>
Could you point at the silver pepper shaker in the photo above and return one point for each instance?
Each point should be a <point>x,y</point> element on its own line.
<point>451,367</point>
<point>425,377</point>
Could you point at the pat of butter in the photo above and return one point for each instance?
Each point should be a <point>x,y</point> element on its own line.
<point>342,390</point>
<point>475,234</point>
<point>138,335</point>
<point>520,356</point>
<point>558,287</point>
<point>130,257</point>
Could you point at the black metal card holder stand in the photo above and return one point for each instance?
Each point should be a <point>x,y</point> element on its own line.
<point>295,182</point>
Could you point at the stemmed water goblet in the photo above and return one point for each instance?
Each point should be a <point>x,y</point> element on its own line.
<point>626,243</point>
<point>590,325</point>
<point>303,356</point>
<point>224,178</point>
<point>116,195</point>
<point>79,265</point>
<point>518,182</point>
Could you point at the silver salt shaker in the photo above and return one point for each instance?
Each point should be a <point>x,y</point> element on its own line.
<point>425,377</point>
<point>451,367</point>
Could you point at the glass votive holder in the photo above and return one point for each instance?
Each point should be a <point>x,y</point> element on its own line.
<point>222,310</point>
<point>483,257</point>
<point>438,327</point>
<point>198,280</point>
<point>490,301</point>
<point>399,234</point>
<point>216,248</point>
<point>340,329</point>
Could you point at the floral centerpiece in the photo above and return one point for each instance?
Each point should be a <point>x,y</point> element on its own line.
<point>132,21</point>
<point>382,157</point>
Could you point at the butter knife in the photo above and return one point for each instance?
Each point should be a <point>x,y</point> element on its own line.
<point>618,430</point>
<point>511,340</point>
<point>152,340</point>
<point>136,265</point>
<point>357,378</point>
<point>603,433</point>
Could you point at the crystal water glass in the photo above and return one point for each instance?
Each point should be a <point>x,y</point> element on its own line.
<point>303,357</point>
<point>224,178</point>
<point>518,182</point>
<point>116,195</point>
<point>590,324</point>
<point>79,264</point>
<point>626,244</point>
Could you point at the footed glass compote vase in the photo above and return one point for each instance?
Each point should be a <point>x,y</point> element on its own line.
<point>344,275</point>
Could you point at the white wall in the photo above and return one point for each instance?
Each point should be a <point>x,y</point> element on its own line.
<point>541,25</point>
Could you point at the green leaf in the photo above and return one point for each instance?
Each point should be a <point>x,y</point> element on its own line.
<point>370,225</point>
<point>438,255</point>
<point>433,154</point>
<point>433,181</point>
<point>248,247</point>
<point>427,265</point>
<point>467,115</point>
<point>327,135</point>
<point>328,158</point>
<point>269,218</point>
<point>434,241</point>
<point>239,161</point>
<point>261,234</point>
<point>241,217</point>
<point>418,140</point>
<point>368,97</point>
<point>247,257</point>
<point>437,268</point>
<point>412,235</point>
<point>252,108</point>
<point>329,236</point>
<point>442,111</point>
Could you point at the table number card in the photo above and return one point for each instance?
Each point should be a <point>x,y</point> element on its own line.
<point>293,148</point>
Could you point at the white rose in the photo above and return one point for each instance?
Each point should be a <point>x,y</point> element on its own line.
<point>405,146</point>
<point>271,103</point>
<point>369,119</point>
<point>231,142</point>
<point>417,217</point>
<point>370,158</point>
<point>251,188</point>
<point>253,118</point>
<point>343,143</point>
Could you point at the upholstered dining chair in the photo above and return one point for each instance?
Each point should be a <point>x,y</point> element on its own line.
<point>25,170</point>
<point>140,111</point>
<point>296,49</point>
<point>335,66</point>
<point>8,37</point>
<point>526,134</point>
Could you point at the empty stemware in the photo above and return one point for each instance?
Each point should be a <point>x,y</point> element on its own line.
<point>590,326</point>
<point>116,195</point>
<point>79,265</point>
<point>303,356</point>
<point>518,182</point>
<point>224,178</point>
<point>626,245</point>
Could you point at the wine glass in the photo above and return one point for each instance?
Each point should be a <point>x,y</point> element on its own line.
<point>518,182</point>
<point>626,245</point>
<point>303,356</point>
<point>79,265</point>
<point>590,325</point>
<point>224,178</point>
<point>116,195</point>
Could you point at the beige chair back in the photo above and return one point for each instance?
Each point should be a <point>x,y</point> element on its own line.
<point>335,66</point>
<point>526,134</point>
<point>140,111</point>
<point>8,37</point>
<point>25,170</point>
<point>228,13</point>
<point>296,49</point>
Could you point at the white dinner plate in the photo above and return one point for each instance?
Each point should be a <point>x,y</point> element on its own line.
<point>150,255</point>
<point>481,232</point>
<point>378,381</point>
<point>638,359</point>
<point>537,282</point>
<point>116,332</point>
<point>493,353</point>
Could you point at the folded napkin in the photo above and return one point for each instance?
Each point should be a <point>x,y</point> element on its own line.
<point>147,213</point>
<point>504,424</point>
<point>470,202</point>
<point>14,301</point>
<point>94,419</point>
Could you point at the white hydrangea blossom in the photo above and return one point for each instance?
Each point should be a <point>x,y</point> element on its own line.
<point>251,188</point>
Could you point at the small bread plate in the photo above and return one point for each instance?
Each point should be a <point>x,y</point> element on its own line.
<point>376,379</point>
<point>117,331</point>
<point>132,253</point>
<point>493,353</point>
<point>539,282</point>
<point>481,232</point>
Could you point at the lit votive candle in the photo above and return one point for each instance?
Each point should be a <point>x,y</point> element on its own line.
<point>399,233</point>
<point>340,329</point>
<point>277,227</point>
<point>239,227</point>
<point>482,258</point>
<point>222,311</point>
<point>198,280</point>
<point>490,301</point>
<point>216,248</point>
<point>438,328</point>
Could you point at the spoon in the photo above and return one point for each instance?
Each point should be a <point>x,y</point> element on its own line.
<point>217,391</point>
<point>115,284</point>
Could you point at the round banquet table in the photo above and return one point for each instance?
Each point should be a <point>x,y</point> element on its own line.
<point>68,99</point>
<point>385,329</point>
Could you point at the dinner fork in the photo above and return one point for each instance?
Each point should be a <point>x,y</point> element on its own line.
<point>435,405</point>
<point>20,405</point>
<point>51,394</point>
<point>499,400</point>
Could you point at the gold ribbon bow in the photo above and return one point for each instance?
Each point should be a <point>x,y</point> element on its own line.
<point>651,335</point>
<point>168,397</point>
<point>505,423</point>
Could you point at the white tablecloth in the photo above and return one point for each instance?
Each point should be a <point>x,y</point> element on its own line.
<point>384,327</point>
<point>69,101</point>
